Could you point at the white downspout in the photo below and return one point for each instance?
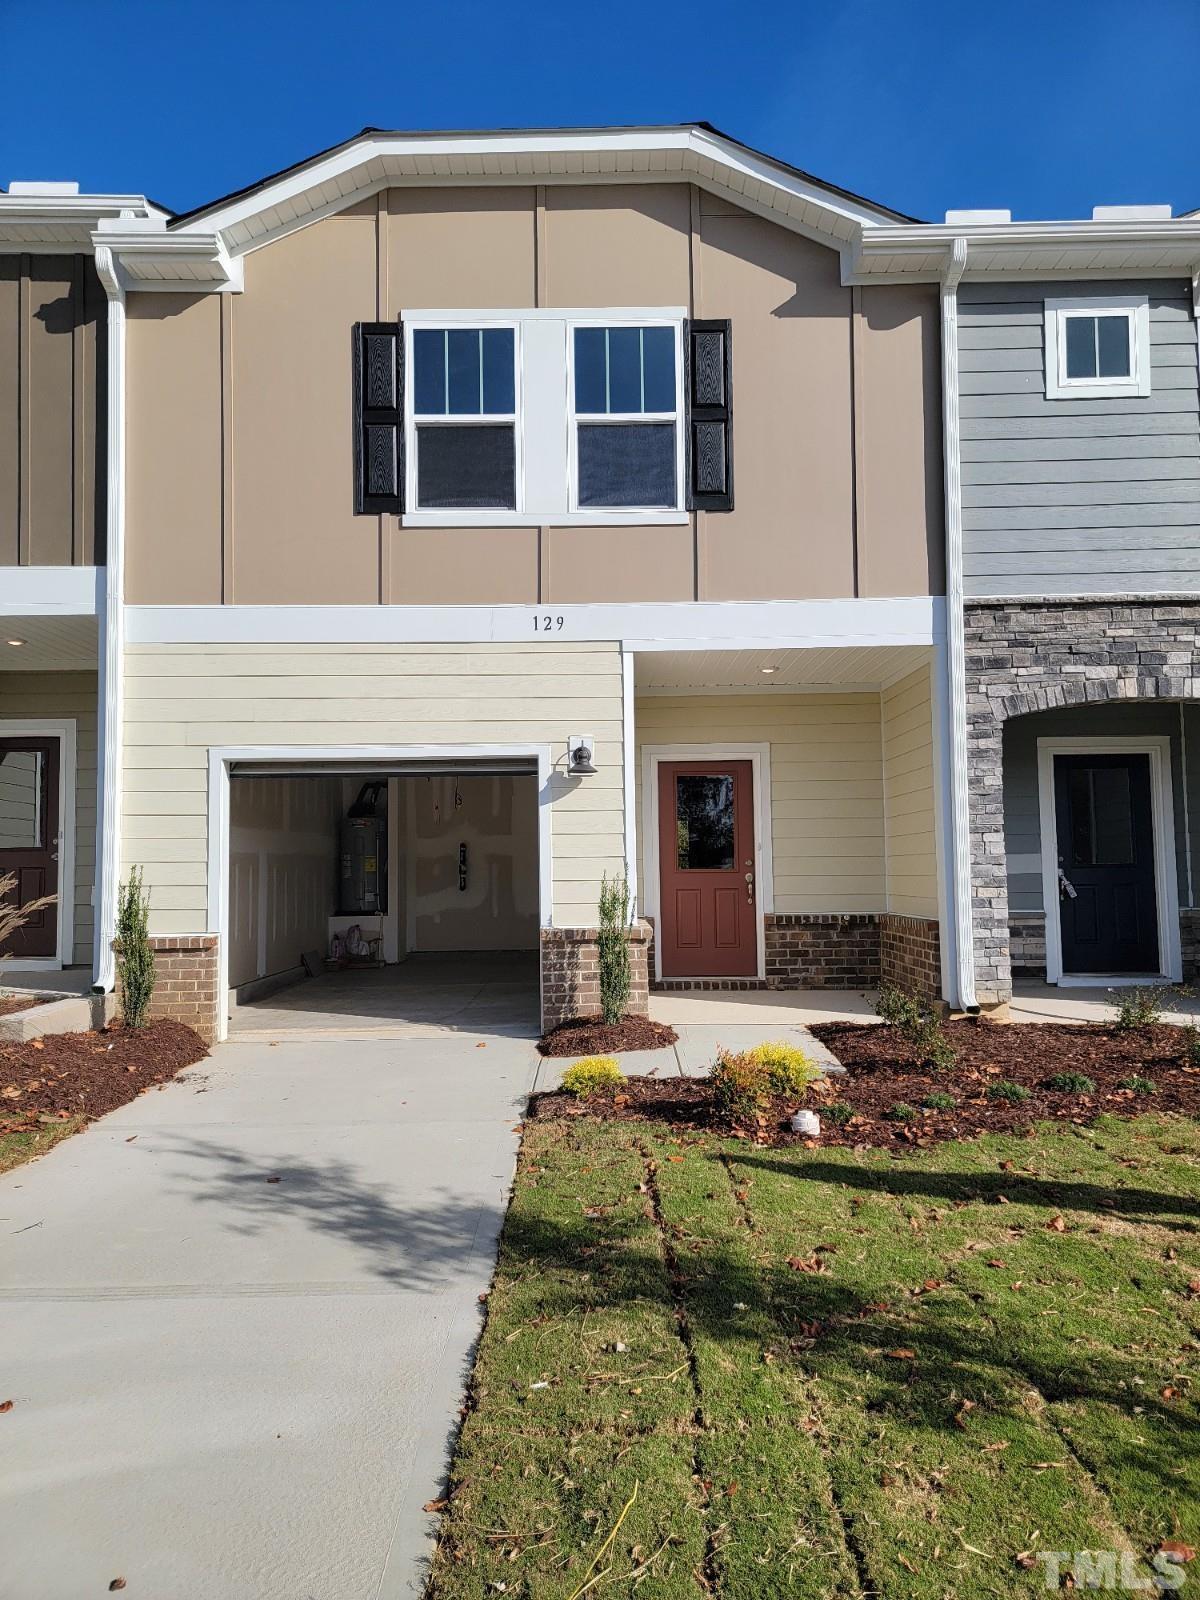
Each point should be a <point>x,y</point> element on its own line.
<point>112,639</point>
<point>956,668</point>
<point>629,775</point>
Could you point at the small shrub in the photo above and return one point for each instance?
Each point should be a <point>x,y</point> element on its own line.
<point>1072,1083</point>
<point>1140,1008</point>
<point>919,1023</point>
<point>593,1075</point>
<point>1014,1093</point>
<point>790,1071</point>
<point>135,957</point>
<point>902,1112</point>
<point>741,1087</point>
<point>1191,1036</point>
<point>939,1100</point>
<point>613,948</point>
<point>839,1113</point>
<point>1138,1084</point>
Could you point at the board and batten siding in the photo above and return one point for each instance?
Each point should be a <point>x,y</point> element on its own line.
<point>1079,496</point>
<point>827,826</point>
<point>909,810</point>
<point>181,700</point>
<point>58,696</point>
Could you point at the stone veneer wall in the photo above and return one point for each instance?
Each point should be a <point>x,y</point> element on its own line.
<point>185,986</point>
<point>571,973</point>
<point>1027,941</point>
<point>1023,656</point>
<point>910,954</point>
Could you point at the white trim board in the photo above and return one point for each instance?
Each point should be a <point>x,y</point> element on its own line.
<point>1166,882</point>
<point>222,758</point>
<point>759,757</point>
<point>63,729</point>
<point>639,625</point>
<point>52,592</point>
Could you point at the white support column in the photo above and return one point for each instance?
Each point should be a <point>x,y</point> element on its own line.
<point>961,991</point>
<point>112,639</point>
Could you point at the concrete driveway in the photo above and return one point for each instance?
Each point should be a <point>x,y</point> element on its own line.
<point>237,1319</point>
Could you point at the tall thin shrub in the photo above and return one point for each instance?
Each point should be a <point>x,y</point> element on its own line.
<point>614,947</point>
<point>135,957</point>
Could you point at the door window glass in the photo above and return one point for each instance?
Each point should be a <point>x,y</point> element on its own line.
<point>1101,817</point>
<point>21,812</point>
<point>704,824</point>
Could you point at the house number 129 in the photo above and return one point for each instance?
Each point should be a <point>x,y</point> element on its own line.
<point>543,622</point>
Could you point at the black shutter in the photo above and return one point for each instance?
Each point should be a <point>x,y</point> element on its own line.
<point>708,352</point>
<point>378,417</point>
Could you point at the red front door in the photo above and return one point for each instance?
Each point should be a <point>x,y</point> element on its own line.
<point>29,837</point>
<point>708,914</point>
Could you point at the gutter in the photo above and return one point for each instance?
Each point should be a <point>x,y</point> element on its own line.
<point>963,973</point>
<point>112,622</point>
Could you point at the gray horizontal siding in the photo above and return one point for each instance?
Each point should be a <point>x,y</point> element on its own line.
<point>1076,496</point>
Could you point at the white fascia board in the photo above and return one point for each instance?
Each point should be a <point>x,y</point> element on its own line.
<point>150,258</point>
<point>51,591</point>
<point>1089,249</point>
<point>623,155</point>
<point>672,625</point>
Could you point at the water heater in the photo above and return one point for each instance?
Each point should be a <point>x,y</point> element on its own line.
<point>362,871</point>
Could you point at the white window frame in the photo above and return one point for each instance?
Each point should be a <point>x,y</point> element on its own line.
<point>1166,882</point>
<point>545,420</point>
<point>1135,308</point>
<point>471,419</point>
<point>617,419</point>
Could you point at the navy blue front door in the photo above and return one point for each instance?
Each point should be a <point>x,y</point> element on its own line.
<point>1107,903</point>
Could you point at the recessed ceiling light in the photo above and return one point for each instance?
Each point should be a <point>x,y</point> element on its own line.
<point>768,669</point>
<point>17,641</point>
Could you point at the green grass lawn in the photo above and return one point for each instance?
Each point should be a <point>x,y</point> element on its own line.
<point>827,1373</point>
<point>16,1148</point>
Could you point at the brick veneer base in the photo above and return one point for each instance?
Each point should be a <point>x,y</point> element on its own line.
<point>910,954</point>
<point>812,951</point>
<point>571,973</point>
<point>1027,941</point>
<point>185,986</point>
<point>1026,655</point>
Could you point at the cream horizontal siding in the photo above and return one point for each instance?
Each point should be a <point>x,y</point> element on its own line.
<point>827,831</point>
<point>908,796</point>
<point>182,699</point>
<point>57,696</point>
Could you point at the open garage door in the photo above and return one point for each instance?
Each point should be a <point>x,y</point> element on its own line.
<point>374,895</point>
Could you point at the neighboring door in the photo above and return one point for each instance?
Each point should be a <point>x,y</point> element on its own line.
<point>708,908</point>
<point>29,837</point>
<point>1107,902</point>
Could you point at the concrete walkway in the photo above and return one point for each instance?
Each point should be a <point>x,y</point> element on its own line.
<point>237,1317</point>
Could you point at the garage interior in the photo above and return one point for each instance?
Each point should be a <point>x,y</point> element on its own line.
<point>412,895</point>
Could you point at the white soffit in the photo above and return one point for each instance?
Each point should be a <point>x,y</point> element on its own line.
<point>49,644</point>
<point>864,667</point>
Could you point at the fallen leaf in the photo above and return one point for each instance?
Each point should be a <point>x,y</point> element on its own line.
<point>675,1158</point>
<point>117,1583</point>
<point>435,1505</point>
<point>1169,1394</point>
<point>10,1092</point>
<point>1044,1466</point>
<point>902,1355</point>
<point>6,1405</point>
<point>1026,1559</point>
<point>1000,1444</point>
<point>274,1179</point>
<point>1056,1225</point>
<point>997,1262</point>
<point>964,1410</point>
<point>1181,1552</point>
<point>807,1264</point>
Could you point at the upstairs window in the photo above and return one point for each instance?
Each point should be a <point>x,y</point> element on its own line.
<point>464,418</point>
<point>627,414</point>
<point>1097,347</point>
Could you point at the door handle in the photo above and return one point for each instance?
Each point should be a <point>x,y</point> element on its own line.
<point>749,886</point>
<point>1066,889</point>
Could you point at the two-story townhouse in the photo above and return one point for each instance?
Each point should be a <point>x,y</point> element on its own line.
<point>1072,439</point>
<point>557,503</point>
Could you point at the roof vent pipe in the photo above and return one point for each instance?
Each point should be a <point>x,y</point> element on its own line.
<point>967,218</point>
<point>1131,213</point>
<point>41,190</point>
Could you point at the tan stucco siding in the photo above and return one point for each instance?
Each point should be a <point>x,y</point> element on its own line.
<point>240,448</point>
<point>827,825</point>
<point>908,778</point>
<point>52,322</point>
<point>58,696</point>
<point>180,701</point>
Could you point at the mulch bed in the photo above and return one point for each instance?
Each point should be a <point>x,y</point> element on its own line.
<point>67,1075</point>
<point>591,1036</point>
<point>883,1072</point>
<point>12,1003</point>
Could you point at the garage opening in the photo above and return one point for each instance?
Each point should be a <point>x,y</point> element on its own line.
<point>374,897</point>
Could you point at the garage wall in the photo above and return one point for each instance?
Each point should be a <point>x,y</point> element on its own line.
<point>826,785</point>
<point>496,818</point>
<point>282,871</point>
<point>182,699</point>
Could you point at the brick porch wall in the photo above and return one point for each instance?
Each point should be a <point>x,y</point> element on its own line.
<point>810,951</point>
<point>910,954</point>
<point>571,973</point>
<point>186,980</point>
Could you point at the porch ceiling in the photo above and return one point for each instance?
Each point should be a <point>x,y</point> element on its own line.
<point>727,671</point>
<point>48,643</point>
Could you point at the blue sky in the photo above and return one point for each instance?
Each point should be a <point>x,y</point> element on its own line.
<point>1046,107</point>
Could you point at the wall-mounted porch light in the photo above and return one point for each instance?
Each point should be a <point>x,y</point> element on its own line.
<point>581,751</point>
